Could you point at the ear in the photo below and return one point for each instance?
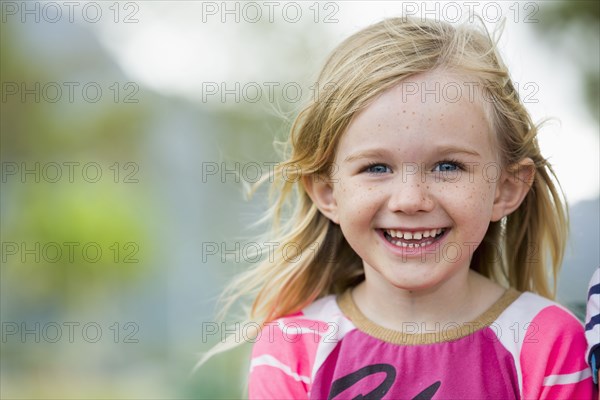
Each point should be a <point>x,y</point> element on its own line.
<point>512,187</point>
<point>320,190</point>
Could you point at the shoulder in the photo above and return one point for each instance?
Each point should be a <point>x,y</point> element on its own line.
<point>529,308</point>
<point>533,325</point>
<point>284,351</point>
<point>548,343</point>
<point>555,322</point>
<point>541,323</point>
<point>297,332</point>
<point>309,323</point>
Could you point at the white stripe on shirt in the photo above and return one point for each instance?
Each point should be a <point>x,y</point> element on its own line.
<point>271,361</point>
<point>566,379</point>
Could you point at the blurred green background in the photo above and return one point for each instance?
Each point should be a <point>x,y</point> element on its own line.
<point>114,130</point>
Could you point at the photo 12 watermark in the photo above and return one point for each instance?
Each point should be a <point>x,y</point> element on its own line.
<point>70,92</point>
<point>69,332</point>
<point>291,331</point>
<point>69,172</point>
<point>419,247</point>
<point>69,252</point>
<point>253,172</point>
<point>295,92</point>
<point>252,12</point>
<point>459,11</point>
<point>52,12</point>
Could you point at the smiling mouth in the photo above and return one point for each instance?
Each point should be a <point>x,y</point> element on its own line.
<point>412,239</point>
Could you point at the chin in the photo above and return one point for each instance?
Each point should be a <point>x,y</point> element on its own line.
<point>413,285</point>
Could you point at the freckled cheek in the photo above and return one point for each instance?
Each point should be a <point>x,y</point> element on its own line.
<point>470,197</point>
<point>360,198</point>
<point>481,202</point>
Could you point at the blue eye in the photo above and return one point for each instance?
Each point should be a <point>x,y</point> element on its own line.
<point>447,166</point>
<point>377,169</point>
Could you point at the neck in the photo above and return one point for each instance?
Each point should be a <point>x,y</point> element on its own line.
<point>459,300</point>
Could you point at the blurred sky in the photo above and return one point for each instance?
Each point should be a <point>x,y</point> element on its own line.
<point>177,46</point>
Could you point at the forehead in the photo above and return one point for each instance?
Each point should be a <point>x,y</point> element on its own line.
<point>427,108</point>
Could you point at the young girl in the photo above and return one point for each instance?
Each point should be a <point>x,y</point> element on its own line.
<point>414,216</point>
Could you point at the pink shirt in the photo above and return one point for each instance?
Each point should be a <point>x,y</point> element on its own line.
<point>523,347</point>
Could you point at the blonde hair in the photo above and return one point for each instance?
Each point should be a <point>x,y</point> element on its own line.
<point>514,250</point>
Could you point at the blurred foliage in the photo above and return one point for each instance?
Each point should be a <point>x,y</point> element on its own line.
<point>104,212</point>
<point>167,215</point>
<point>89,216</point>
<point>573,28</point>
<point>46,287</point>
<point>41,130</point>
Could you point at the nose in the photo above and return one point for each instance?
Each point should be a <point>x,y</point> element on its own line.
<point>409,195</point>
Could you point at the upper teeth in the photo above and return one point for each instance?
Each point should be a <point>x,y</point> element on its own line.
<point>414,235</point>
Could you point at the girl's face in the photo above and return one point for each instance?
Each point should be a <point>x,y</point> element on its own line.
<point>417,182</point>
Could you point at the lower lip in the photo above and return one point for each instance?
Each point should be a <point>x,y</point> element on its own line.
<point>416,250</point>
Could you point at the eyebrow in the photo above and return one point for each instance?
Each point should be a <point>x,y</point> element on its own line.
<point>365,154</point>
<point>457,149</point>
<point>449,149</point>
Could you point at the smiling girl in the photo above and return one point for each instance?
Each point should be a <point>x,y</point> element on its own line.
<point>422,213</point>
